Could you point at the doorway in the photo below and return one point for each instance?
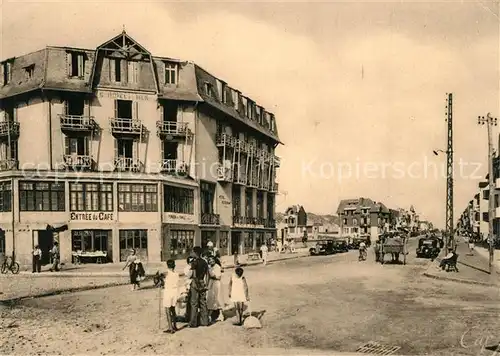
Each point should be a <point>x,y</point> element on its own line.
<point>235,242</point>
<point>45,242</point>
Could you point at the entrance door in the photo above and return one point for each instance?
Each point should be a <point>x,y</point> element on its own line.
<point>46,242</point>
<point>235,242</point>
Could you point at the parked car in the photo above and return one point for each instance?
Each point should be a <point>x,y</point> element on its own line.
<point>323,248</point>
<point>428,247</point>
<point>340,246</point>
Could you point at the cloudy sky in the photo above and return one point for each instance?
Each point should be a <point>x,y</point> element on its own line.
<point>358,89</point>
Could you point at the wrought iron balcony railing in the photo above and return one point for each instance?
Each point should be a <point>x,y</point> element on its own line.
<point>210,219</point>
<point>9,128</point>
<point>78,161</point>
<point>270,223</point>
<point>77,123</point>
<point>225,139</point>
<point>172,128</point>
<point>224,173</point>
<point>127,164</point>
<point>174,166</point>
<point>120,126</point>
<point>239,220</point>
<point>240,177</point>
<point>261,221</point>
<point>274,187</point>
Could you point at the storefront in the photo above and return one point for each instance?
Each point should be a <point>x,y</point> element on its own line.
<point>178,241</point>
<point>92,246</point>
<point>133,239</point>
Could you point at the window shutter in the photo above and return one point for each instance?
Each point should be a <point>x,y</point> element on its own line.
<point>162,113</point>
<point>66,145</point>
<point>135,110</point>
<point>135,148</point>
<point>130,70</point>
<point>162,151</point>
<point>14,114</point>
<point>2,73</point>
<point>117,154</point>
<point>69,64</point>
<point>65,103</point>
<point>111,69</point>
<point>116,108</point>
<point>2,116</point>
<point>86,110</point>
<point>81,67</point>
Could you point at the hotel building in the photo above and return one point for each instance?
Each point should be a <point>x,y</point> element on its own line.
<point>113,148</point>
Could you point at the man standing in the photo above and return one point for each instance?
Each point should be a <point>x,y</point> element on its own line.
<point>198,291</point>
<point>264,250</point>
<point>37,259</point>
<point>55,257</point>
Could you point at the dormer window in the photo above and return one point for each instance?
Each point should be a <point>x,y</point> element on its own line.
<point>209,89</point>
<point>76,64</point>
<point>171,73</point>
<point>236,98</point>
<point>29,71</point>
<point>7,72</point>
<point>219,88</point>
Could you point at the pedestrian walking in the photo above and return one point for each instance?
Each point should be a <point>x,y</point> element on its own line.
<point>170,296</point>
<point>37,259</point>
<point>132,269</point>
<point>198,291</point>
<point>55,257</point>
<point>188,275</point>
<point>264,253</point>
<point>238,293</point>
<point>279,245</point>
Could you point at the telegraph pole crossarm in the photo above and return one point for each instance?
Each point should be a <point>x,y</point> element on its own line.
<point>489,122</point>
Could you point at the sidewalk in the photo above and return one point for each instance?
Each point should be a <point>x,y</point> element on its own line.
<point>473,268</point>
<point>116,269</point>
<point>86,277</point>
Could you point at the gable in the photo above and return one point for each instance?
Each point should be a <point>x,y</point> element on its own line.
<point>124,46</point>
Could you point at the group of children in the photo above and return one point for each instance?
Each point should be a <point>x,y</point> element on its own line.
<point>176,294</point>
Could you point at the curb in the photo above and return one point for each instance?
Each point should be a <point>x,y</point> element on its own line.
<point>63,274</point>
<point>458,280</point>
<point>10,301</point>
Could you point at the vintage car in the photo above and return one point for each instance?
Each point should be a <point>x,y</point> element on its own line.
<point>428,247</point>
<point>323,248</point>
<point>340,246</point>
<point>355,243</point>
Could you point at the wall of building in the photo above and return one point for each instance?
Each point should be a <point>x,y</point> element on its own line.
<point>34,129</point>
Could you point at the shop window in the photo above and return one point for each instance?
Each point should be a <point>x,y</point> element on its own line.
<point>248,243</point>
<point>91,196</point>
<point>90,240</point>
<point>181,243</point>
<point>138,197</point>
<point>223,242</point>
<point>133,239</point>
<point>41,196</point>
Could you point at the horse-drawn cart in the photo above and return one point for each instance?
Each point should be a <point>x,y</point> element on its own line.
<point>395,245</point>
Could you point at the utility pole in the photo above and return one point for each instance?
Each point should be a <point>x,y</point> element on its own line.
<point>450,238</point>
<point>489,122</point>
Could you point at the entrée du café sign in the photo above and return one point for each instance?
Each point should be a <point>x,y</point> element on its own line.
<point>91,216</point>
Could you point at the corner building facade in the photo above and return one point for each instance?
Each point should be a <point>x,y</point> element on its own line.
<point>114,148</point>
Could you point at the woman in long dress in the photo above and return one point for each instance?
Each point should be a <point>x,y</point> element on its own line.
<point>215,298</point>
<point>132,269</point>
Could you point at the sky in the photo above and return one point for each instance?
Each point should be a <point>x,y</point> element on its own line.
<point>358,88</point>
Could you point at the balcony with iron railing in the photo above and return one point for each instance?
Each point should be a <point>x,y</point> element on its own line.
<point>240,177</point>
<point>120,126</point>
<point>174,166</point>
<point>274,187</point>
<point>260,221</point>
<point>239,220</point>
<point>224,173</point>
<point>253,180</point>
<point>265,184</point>
<point>172,128</point>
<point>9,164</point>
<point>9,129</point>
<point>127,164</point>
<point>78,161</point>
<point>210,219</point>
<point>77,123</point>
<point>270,223</point>
<point>225,139</point>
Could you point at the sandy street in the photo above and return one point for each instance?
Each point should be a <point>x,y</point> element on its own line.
<point>331,303</point>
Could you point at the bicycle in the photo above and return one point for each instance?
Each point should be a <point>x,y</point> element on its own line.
<point>10,265</point>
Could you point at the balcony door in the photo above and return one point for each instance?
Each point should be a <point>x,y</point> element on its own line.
<point>169,111</point>
<point>125,148</point>
<point>75,106</point>
<point>207,195</point>
<point>76,146</point>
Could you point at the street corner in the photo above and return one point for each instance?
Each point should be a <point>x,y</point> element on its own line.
<point>466,273</point>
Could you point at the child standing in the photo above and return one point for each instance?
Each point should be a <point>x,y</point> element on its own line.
<point>170,295</point>
<point>238,293</point>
